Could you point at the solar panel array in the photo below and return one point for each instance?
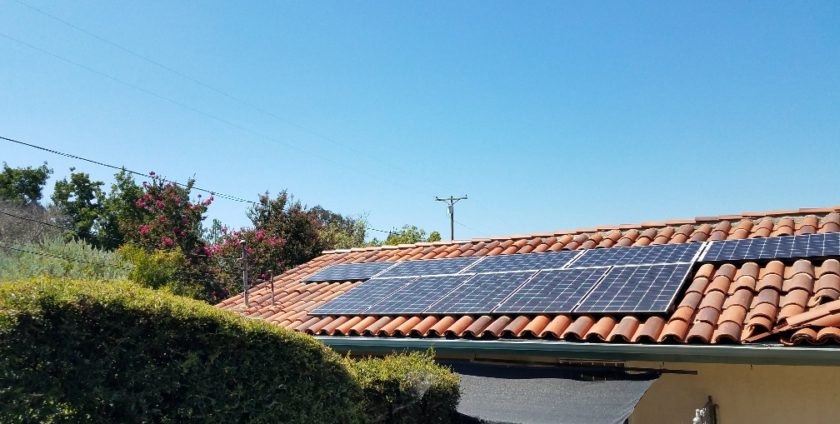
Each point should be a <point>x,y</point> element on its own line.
<point>430,267</point>
<point>645,288</point>
<point>557,291</point>
<point>349,272</point>
<point>481,293</point>
<point>617,256</point>
<point>418,295</point>
<point>360,299</point>
<point>787,247</point>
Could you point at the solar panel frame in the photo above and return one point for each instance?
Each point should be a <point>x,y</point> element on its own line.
<point>359,299</point>
<point>782,247</point>
<point>524,262</point>
<point>652,289</point>
<point>429,267</point>
<point>419,295</point>
<point>349,271</point>
<point>638,255</point>
<point>476,294</point>
<point>552,291</point>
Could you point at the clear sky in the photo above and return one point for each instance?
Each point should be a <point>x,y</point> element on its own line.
<point>549,115</point>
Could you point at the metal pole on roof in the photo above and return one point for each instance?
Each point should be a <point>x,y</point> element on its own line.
<point>271,279</point>
<point>451,201</point>
<point>244,270</point>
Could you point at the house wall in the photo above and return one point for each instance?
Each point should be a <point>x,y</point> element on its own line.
<point>744,394</point>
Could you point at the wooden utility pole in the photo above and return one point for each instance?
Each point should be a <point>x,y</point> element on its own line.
<point>451,201</point>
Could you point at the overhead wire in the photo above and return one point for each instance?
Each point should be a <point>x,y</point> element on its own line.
<point>203,84</point>
<point>142,174</point>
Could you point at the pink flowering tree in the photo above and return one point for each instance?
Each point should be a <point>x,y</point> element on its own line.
<point>168,219</point>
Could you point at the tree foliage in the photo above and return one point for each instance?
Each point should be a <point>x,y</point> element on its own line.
<point>80,202</point>
<point>23,185</point>
<point>408,234</point>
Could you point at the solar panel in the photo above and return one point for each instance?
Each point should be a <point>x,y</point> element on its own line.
<point>359,299</point>
<point>417,296</point>
<point>617,256</point>
<point>628,289</point>
<point>524,262</point>
<point>786,247</point>
<point>429,267</point>
<point>552,291</point>
<point>479,294</point>
<point>349,272</point>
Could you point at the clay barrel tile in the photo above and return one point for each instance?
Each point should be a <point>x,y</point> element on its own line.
<point>772,267</point>
<point>601,329</point>
<point>691,300</point>
<point>709,315</point>
<point>790,310</point>
<point>720,231</point>
<point>315,328</point>
<point>799,281</point>
<point>389,328</point>
<point>700,332</point>
<point>698,285</point>
<point>742,298</point>
<point>458,327</point>
<point>441,326</point>
<point>770,281</point>
<point>360,326</point>
<point>795,297</point>
<point>767,295</point>
<point>808,225</point>
<point>664,236</point>
<point>625,329</point>
<point>494,329</point>
<point>478,326</point>
<point>422,328</point>
<point>728,332</point>
<point>578,328</point>
<point>649,331</point>
<point>329,328</point>
<point>674,331</point>
<point>405,328</point>
<point>713,300</point>
<point>516,326</point>
<point>344,328</point>
<point>829,266</point>
<point>828,335</point>
<point>376,326</point>
<point>784,227</point>
<point>830,223</point>
<point>536,326</point>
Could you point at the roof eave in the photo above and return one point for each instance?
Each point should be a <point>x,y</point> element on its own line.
<point>767,354</point>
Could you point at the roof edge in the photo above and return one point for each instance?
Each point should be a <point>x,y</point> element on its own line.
<point>642,225</point>
<point>768,354</point>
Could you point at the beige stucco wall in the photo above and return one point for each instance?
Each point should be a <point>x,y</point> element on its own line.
<point>760,394</point>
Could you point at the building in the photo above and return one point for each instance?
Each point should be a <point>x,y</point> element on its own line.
<point>757,337</point>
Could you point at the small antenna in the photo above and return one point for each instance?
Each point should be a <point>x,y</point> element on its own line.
<point>451,201</point>
<point>244,270</point>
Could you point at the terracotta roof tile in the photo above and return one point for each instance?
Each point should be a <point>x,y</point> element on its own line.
<point>727,303</point>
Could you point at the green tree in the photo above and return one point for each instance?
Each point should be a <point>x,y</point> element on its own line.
<point>120,211</point>
<point>23,186</point>
<point>408,234</point>
<point>80,202</point>
<point>338,231</point>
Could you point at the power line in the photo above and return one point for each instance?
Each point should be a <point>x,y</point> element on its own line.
<point>201,112</point>
<point>203,84</point>
<point>141,174</point>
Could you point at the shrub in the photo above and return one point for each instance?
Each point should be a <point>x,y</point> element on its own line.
<point>85,351</point>
<point>409,388</point>
<point>57,258</point>
<point>160,269</point>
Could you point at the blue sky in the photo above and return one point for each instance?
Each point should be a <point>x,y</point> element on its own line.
<point>548,115</point>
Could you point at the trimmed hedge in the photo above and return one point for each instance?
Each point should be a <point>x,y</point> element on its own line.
<point>409,388</point>
<point>114,352</point>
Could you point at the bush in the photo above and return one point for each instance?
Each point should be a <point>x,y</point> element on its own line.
<point>86,351</point>
<point>160,269</point>
<point>408,388</point>
<point>57,258</point>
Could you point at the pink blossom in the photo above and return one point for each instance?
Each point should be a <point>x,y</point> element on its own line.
<point>166,241</point>
<point>260,235</point>
<point>140,203</point>
<point>144,229</point>
<point>160,204</point>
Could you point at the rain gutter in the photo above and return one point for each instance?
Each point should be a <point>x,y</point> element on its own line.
<point>756,354</point>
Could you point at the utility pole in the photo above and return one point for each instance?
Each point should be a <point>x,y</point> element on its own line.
<point>451,201</point>
<point>244,270</point>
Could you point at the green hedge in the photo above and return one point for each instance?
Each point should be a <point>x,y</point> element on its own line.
<point>76,351</point>
<point>408,388</point>
<point>113,352</point>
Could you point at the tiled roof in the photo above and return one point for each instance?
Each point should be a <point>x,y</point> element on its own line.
<point>726,303</point>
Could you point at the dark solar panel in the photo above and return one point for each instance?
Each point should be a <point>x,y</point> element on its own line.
<point>417,296</point>
<point>429,267</point>
<point>359,299</point>
<point>552,291</point>
<point>786,247</point>
<point>617,256</point>
<point>479,294</point>
<point>524,262</point>
<point>629,289</point>
<point>349,272</point>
